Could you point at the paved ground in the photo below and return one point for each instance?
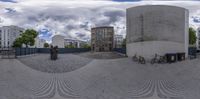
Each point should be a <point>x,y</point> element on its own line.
<point>101,55</point>
<point>64,63</point>
<point>102,79</point>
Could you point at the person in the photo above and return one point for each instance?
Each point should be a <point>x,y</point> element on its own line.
<point>55,52</point>
<point>51,52</point>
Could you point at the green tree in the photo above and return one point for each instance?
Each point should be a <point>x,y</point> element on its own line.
<point>124,43</point>
<point>17,42</point>
<point>86,46</point>
<point>192,36</point>
<point>28,37</point>
<point>46,45</point>
<point>70,46</point>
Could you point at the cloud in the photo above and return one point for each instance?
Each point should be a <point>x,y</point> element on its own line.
<point>75,18</point>
<point>11,1</point>
<point>126,0</point>
<point>9,10</point>
<point>196,19</point>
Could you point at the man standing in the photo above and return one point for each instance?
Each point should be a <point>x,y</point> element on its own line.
<point>51,52</point>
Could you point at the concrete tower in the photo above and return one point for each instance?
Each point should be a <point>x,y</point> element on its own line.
<point>157,29</point>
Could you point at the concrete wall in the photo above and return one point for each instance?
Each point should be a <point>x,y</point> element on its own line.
<point>198,38</point>
<point>163,29</point>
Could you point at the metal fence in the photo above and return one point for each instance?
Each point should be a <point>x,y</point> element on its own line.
<point>64,50</point>
<point>192,52</point>
<point>7,53</point>
<point>25,51</point>
<point>120,50</point>
<point>29,51</point>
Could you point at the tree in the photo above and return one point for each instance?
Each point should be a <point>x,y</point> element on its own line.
<point>17,42</point>
<point>70,46</point>
<point>192,36</point>
<point>86,46</point>
<point>124,43</point>
<point>27,38</point>
<point>46,45</point>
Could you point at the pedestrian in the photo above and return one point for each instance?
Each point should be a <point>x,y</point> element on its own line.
<point>51,52</point>
<point>55,52</point>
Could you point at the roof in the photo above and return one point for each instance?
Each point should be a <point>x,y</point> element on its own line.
<point>148,6</point>
<point>102,27</point>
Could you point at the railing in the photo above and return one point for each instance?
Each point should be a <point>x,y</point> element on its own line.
<point>7,53</point>
<point>192,52</point>
<point>120,50</point>
<point>25,51</point>
<point>64,50</point>
<point>29,51</point>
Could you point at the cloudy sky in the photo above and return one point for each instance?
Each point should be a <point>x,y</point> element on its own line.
<point>74,18</point>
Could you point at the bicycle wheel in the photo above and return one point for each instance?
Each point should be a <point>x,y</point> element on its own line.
<point>135,58</point>
<point>153,61</point>
<point>162,60</point>
<point>142,60</point>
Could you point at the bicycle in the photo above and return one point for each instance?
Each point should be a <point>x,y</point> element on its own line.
<point>158,59</point>
<point>139,59</point>
<point>135,58</point>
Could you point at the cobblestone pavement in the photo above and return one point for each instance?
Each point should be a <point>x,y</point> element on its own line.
<point>102,79</point>
<point>64,63</point>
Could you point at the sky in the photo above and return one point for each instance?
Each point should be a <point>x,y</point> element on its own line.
<point>75,18</point>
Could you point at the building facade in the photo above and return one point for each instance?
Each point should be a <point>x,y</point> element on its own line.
<point>118,40</point>
<point>102,39</point>
<point>39,43</point>
<point>58,40</point>
<point>8,34</point>
<point>198,39</point>
<point>157,29</point>
<point>74,42</point>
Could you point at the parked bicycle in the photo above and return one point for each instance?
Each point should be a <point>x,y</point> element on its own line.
<point>138,59</point>
<point>158,59</point>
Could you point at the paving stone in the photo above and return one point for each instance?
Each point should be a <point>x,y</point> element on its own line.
<point>101,79</point>
<point>64,63</point>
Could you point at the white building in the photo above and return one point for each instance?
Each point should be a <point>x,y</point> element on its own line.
<point>8,34</point>
<point>89,42</point>
<point>198,39</point>
<point>58,40</point>
<point>118,40</point>
<point>39,43</point>
<point>74,42</point>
